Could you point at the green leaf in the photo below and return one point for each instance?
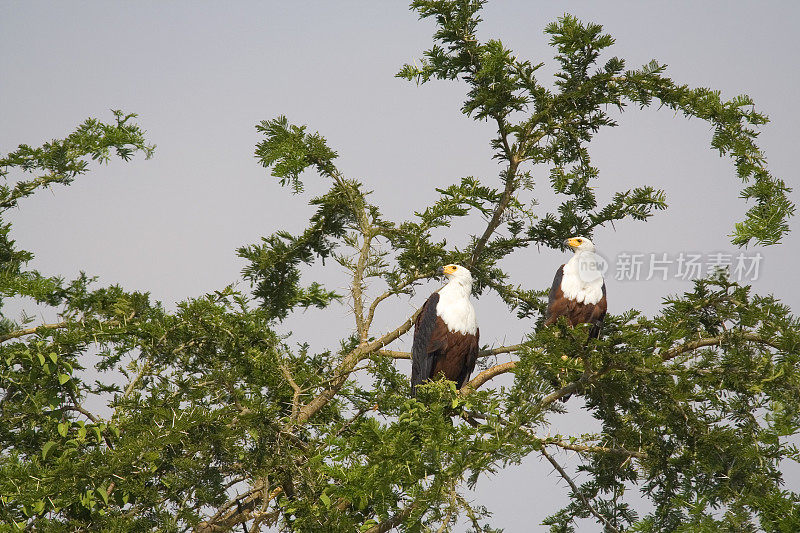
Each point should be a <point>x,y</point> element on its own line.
<point>38,507</point>
<point>369,524</point>
<point>46,448</point>
<point>326,500</point>
<point>63,378</point>
<point>63,428</point>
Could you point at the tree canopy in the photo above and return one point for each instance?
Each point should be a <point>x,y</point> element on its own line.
<point>218,421</point>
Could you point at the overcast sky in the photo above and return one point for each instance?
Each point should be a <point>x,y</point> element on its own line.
<point>201,75</point>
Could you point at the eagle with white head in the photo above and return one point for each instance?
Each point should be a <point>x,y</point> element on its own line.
<point>579,291</point>
<point>446,332</point>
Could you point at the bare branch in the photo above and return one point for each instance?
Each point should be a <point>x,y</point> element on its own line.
<point>238,510</point>
<point>494,223</point>
<point>549,441</point>
<point>393,522</point>
<point>142,371</point>
<point>346,367</point>
<point>577,492</point>
<point>582,448</point>
<point>587,378</point>
<point>352,420</point>
<point>78,409</point>
<point>394,354</point>
<point>486,375</point>
<point>297,390</point>
<point>502,349</point>
<point>396,290</point>
<point>357,287</point>
<point>31,331</point>
<point>470,513</point>
<point>714,341</point>
<point>57,325</point>
<point>508,192</point>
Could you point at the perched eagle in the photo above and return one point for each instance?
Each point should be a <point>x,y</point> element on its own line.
<point>446,332</point>
<point>578,291</point>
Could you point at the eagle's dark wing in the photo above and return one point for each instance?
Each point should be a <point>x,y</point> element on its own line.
<point>598,315</point>
<point>428,342</point>
<point>554,299</point>
<point>470,360</point>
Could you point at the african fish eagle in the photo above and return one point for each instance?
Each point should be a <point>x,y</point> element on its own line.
<point>446,332</point>
<point>579,291</point>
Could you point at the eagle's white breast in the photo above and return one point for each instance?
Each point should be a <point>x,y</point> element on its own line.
<point>582,280</point>
<point>455,308</point>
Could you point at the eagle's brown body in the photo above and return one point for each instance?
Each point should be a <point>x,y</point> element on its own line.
<point>575,312</point>
<point>439,351</point>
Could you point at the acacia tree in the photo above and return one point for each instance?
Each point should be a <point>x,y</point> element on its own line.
<point>219,422</point>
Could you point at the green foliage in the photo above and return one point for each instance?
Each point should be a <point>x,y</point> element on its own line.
<point>61,161</point>
<point>210,419</point>
<point>288,150</point>
<point>539,125</point>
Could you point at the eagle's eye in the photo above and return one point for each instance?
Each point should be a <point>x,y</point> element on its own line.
<point>580,241</point>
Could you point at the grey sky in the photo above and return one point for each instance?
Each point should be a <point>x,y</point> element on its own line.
<point>202,74</point>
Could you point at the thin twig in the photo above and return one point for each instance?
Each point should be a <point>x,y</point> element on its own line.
<point>78,409</point>
<point>347,365</point>
<point>505,200</point>
<point>129,389</point>
<point>577,492</point>
<point>396,290</point>
<point>714,341</point>
<point>548,441</point>
<point>581,448</point>
<point>587,378</point>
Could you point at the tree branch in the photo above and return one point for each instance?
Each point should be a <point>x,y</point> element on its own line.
<point>238,510</point>
<point>357,287</point>
<point>79,409</point>
<point>587,378</point>
<point>582,448</point>
<point>486,375</point>
<point>391,292</point>
<point>393,522</point>
<point>549,441</point>
<point>346,367</point>
<point>714,341</point>
<point>129,389</point>
<point>577,492</point>
<point>296,388</point>
<point>511,184</point>
<point>31,331</point>
<point>394,354</point>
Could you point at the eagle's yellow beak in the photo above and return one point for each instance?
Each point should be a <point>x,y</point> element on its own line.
<point>449,269</point>
<point>574,242</point>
